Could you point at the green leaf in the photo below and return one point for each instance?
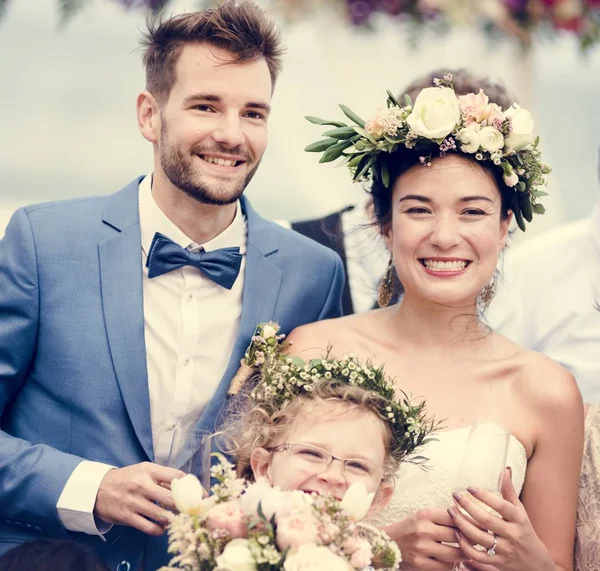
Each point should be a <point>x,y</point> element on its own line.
<point>539,193</point>
<point>335,151</point>
<point>392,98</point>
<point>539,208</point>
<point>364,166</point>
<point>385,174</point>
<point>352,116</point>
<point>407,100</point>
<point>341,133</point>
<point>521,186</point>
<point>364,133</point>
<point>518,215</point>
<point>355,160</point>
<point>525,205</point>
<point>320,146</point>
<point>318,121</point>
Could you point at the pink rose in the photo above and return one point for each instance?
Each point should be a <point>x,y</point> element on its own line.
<point>374,128</point>
<point>228,517</point>
<point>474,105</point>
<point>296,530</point>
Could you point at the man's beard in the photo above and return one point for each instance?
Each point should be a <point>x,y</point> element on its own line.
<point>180,171</point>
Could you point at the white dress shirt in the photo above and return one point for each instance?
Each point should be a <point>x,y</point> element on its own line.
<point>548,300</point>
<point>190,327</point>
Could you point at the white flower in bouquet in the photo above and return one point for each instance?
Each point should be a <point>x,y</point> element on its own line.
<point>357,501</point>
<point>490,139</point>
<point>189,495</point>
<point>522,128</point>
<point>435,113</point>
<point>315,558</point>
<point>269,331</point>
<point>469,137</point>
<point>236,557</point>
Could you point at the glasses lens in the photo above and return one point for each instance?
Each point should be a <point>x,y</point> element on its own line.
<point>310,454</point>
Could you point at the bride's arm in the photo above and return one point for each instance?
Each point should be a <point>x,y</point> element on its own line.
<point>538,530</point>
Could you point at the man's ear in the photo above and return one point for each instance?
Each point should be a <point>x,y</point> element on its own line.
<point>383,496</point>
<point>260,462</point>
<point>148,116</point>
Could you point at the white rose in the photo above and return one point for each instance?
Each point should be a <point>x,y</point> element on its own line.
<point>469,137</point>
<point>236,557</point>
<point>253,495</point>
<point>269,331</point>
<point>357,501</point>
<point>435,113</point>
<point>490,139</point>
<point>522,128</point>
<point>189,495</point>
<point>312,557</point>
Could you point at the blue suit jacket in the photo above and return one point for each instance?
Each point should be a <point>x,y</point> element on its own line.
<point>73,377</point>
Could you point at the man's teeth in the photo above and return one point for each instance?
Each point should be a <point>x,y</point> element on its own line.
<point>439,266</point>
<point>219,161</point>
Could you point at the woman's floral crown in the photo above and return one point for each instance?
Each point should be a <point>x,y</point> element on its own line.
<point>283,377</point>
<point>440,122</point>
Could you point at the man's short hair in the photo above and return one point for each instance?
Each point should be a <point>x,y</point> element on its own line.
<point>241,29</point>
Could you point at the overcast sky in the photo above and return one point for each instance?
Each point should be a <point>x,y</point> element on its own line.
<point>67,105</point>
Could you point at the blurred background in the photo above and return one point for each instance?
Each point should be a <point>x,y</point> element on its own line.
<point>67,103</point>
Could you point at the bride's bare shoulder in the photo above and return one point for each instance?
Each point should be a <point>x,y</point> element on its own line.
<point>330,335</point>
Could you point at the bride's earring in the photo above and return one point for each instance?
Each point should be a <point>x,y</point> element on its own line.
<point>386,285</point>
<point>488,292</point>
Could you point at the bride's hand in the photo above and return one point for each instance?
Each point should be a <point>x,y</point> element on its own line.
<point>420,538</point>
<point>511,543</point>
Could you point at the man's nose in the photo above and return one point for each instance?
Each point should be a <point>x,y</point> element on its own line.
<point>228,131</point>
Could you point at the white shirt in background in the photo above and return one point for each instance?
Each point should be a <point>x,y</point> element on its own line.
<point>190,327</point>
<point>549,299</point>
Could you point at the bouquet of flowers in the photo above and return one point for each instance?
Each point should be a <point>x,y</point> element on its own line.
<point>245,526</point>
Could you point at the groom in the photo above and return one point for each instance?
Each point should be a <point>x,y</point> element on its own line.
<point>123,317</point>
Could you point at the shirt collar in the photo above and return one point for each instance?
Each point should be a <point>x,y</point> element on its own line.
<point>153,219</point>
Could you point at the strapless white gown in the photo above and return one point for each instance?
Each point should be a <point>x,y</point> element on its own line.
<point>431,486</point>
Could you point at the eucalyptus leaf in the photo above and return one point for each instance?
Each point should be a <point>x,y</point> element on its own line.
<point>407,100</point>
<point>334,152</point>
<point>539,208</point>
<point>385,174</point>
<point>525,205</point>
<point>364,133</point>
<point>352,116</point>
<point>317,121</point>
<point>353,162</point>
<point>364,168</point>
<point>340,133</point>
<point>320,146</point>
<point>392,98</point>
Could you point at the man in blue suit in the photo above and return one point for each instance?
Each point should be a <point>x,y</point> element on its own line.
<point>123,317</point>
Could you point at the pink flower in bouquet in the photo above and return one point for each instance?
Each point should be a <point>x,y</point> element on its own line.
<point>360,550</point>
<point>228,516</point>
<point>296,530</point>
<point>474,105</point>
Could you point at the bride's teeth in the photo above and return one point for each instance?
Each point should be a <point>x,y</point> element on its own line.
<point>440,266</point>
<point>219,161</point>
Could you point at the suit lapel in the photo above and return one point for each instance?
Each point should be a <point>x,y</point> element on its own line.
<point>122,299</point>
<point>262,282</point>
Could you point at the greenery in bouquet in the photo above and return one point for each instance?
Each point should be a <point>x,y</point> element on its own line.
<point>440,122</point>
<point>251,526</point>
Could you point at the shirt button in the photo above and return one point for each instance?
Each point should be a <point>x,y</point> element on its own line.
<point>186,362</point>
<point>190,297</point>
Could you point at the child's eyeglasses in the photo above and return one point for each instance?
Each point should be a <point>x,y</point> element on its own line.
<point>320,460</point>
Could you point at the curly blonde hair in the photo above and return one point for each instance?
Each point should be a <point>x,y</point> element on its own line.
<point>251,424</point>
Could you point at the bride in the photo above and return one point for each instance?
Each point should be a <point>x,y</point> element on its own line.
<point>446,178</point>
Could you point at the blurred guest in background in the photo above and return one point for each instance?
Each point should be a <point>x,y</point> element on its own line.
<point>549,295</point>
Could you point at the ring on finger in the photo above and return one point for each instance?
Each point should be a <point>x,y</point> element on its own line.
<point>492,550</point>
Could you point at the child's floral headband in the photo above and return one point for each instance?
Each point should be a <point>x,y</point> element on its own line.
<point>438,123</point>
<point>284,377</point>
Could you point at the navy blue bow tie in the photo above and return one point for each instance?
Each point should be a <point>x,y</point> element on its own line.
<point>222,266</point>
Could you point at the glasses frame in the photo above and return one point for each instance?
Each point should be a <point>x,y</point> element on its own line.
<point>288,446</point>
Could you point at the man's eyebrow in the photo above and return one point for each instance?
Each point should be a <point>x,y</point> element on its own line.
<point>217,99</point>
